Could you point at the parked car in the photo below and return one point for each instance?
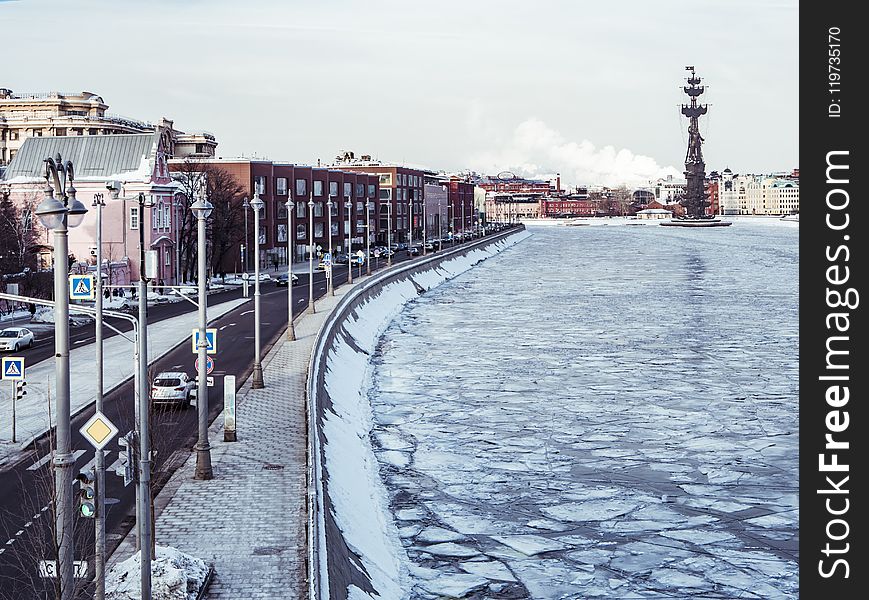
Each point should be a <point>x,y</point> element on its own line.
<point>415,250</point>
<point>173,387</point>
<point>281,281</point>
<point>340,258</point>
<point>15,338</point>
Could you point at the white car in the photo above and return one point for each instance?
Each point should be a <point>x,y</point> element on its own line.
<point>15,338</point>
<point>173,387</point>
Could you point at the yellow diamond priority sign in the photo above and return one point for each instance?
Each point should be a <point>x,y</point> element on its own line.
<point>99,431</point>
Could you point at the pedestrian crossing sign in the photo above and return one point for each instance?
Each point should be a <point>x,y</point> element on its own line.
<point>210,339</point>
<point>13,368</point>
<point>81,287</point>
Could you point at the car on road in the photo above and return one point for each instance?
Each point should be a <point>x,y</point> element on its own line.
<point>13,339</point>
<point>341,258</point>
<point>415,250</point>
<point>173,387</point>
<point>284,277</point>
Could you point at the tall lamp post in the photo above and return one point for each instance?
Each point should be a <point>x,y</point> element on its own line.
<point>202,210</point>
<point>329,271</point>
<point>257,381</point>
<point>144,518</point>
<point>410,222</point>
<point>424,228</point>
<point>368,236</point>
<point>347,206</point>
<point>389,234</point>
<point>291,207</point>
<point>311,308</point>
<point>100,459</point>
<point>59,215</point>
<point>246,246</point>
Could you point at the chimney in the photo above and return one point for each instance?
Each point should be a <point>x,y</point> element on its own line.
<point>558,183</point>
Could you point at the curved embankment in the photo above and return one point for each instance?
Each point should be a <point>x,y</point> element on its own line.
<point>353,546</point>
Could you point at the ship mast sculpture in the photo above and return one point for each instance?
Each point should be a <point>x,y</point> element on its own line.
<point>695,199</point>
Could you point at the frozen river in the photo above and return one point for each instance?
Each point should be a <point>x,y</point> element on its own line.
<point>599,412</point>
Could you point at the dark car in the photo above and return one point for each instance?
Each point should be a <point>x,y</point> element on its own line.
<point>415,250</point>
<point>282,280</point>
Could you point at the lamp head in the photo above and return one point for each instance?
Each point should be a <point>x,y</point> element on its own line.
<point>256,204</point>
<point>75,209</point>
<point>202,208</point>
<point>51,210</point>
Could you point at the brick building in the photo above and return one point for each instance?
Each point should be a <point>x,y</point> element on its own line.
<point>284,233</point>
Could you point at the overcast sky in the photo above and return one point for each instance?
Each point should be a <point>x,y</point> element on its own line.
<point>589,89</point>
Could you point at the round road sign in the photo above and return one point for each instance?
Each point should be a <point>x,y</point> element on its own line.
<point>209,365</point>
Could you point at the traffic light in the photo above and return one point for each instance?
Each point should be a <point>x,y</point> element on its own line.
<point>87,494</point>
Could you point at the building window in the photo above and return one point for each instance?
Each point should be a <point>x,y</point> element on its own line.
<point>385,179</point>
<point>318,188</point>
<point>281,186</point>
<point>333,188</point>
<point>334,229</point>
<point>300,232</point>
<point>260,184</point>
<point>300,208</point>
<point>301,187</point>
<point>134,217</point>
<point>60,131</point>
<point>360,190</point>
<point>167,257</point>
<point>348,189</point>
<point>263,211</point>
<point>318,230</point>
<point>385,194</point>
<point>359,207</point>
<point>318,209</point>
<point>371,188</point>
<point>334,210</point>
<point>281,210</point>
<point>282,233</point>
<point>262,237</point>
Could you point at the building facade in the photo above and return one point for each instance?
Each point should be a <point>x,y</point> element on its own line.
<point>758,194</point>
<point>56,114</point>
<point>401,196</point>
<point>138,163</point>
<point>284,233</point>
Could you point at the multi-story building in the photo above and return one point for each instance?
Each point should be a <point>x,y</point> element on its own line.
<point>758,194</point>
<point>288,233</point>
<point>461,203</point>
<point>507,208</point>
<point>401,196</point>
<point>508,183</point>
<point>436,216</point>
<point>138,163</point>
<point>30,115</point>
<point>668,189</point>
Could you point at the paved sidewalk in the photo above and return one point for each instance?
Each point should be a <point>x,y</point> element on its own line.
<point>250,520</point>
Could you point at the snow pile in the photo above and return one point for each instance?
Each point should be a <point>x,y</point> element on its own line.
<point>174,576</point>
<point>17,314</point>
<point>46,315</point>
<point>359,499</point>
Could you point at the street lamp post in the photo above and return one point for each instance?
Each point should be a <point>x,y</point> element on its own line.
<point>257,381</point>
<point>440,228</point>
<point>246,245</point>
<point>202,210</point>
<point>311,308</point>
<point>59,215</point>
<point>329,272</point>
<point>144,490</point>
<point>100,459</point>
<point>347,206</point>
<point>410,222</point>
<point>291,330</point>
<point>368,236</point>
<point>389,234</point>
<point>424,228</point>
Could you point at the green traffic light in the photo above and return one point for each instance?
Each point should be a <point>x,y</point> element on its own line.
<point>88,509</point>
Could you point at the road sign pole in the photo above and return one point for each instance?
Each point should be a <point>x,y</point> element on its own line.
<point>14,400</point>
<point>100,465</point>
<point>203,448</point>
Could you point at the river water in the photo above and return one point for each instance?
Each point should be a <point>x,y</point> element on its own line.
<point>607,411</point>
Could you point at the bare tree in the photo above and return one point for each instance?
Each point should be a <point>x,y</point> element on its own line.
<point>18,236</point>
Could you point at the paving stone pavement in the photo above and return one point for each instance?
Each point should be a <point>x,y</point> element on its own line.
<point>250,520</point>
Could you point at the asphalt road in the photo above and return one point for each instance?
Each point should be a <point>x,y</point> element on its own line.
<point>25,511</point>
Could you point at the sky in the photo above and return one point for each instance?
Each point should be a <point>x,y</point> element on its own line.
<point>587,89</point>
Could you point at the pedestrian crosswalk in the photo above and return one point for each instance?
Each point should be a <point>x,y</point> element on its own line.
<point>117,466</point>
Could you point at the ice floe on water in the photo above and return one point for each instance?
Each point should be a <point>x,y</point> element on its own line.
<point>605,412</point>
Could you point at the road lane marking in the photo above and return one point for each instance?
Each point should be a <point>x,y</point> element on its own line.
<point>38,464</point>
<point>247,312</point>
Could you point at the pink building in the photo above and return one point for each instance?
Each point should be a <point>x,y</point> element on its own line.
<point>135,163</point>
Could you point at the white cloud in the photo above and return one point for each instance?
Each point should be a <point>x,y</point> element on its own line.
<point>538,151</point>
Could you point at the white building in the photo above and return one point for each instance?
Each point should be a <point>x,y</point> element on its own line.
<point>758,195</point>
<point>669,189</point>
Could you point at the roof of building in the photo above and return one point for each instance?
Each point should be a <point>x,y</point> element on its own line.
<point>94,157</point>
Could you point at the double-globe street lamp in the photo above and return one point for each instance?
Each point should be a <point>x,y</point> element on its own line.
<point>59,215</point>
<point>348,205</point>
<point>368,236</point>
<point>329,273</point>
<point>257,382</point>
<point>202,210</point>
<point>100,459</point>
<point>311,308</point>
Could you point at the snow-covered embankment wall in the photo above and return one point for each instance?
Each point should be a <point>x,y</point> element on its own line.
<point>353,546</point>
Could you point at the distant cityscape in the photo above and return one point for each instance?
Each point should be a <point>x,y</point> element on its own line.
<point>403,204</point>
